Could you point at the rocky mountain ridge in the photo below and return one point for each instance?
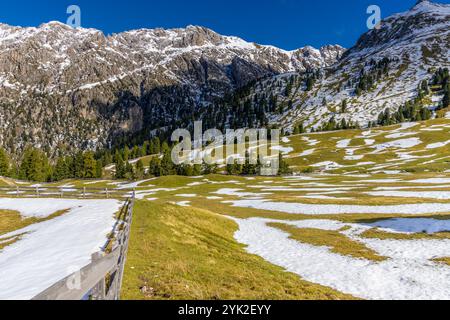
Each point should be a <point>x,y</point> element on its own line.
<point>64,88</point>
<point>79,88</point>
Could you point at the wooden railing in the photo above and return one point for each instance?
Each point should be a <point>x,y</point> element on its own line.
<point>102,278</point>
<point>64,192</point>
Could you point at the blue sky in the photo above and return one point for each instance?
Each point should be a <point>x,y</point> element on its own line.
<point>288,24</point>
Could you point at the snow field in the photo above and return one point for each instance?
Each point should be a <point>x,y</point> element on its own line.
<point>408,273</point>
<point>53,249</point>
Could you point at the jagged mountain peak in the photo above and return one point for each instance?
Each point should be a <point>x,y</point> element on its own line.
<point>423,19</point>
<point>419,2</point>
<point>54,24</point>
<point>408,44</point>
<point>190,36</point>
<point>155,48</point>
<point>430,6</point>
<point>86,87</point>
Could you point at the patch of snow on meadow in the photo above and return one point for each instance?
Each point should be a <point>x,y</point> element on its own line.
<point>238,193</point>
<point>310,142</point>
<point>432,181</point>
<point>407,125</point>
<point>439,195</point>
<point>327,165</point>
<point>183,203</point>
<point>39,208</point>
<point>342,144</point>
<point>407,274</point>
<point>400,135</point>
<point>307,153</point>
<point>51,250</point>
<point>353,158</point>
<point>284,150</point>
<point>323,209</point>
<point>401,144</point>
<point>133,185</point>
<point>438,145</point>
<point>214,198</point>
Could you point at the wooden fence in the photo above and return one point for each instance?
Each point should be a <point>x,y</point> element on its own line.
<point>102,278</point>
<point>64,192</point>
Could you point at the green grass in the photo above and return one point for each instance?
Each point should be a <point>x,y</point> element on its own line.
<point>189,253</point>
<point>444,260</point>
<point>383,235</point>
<point>12,220</point>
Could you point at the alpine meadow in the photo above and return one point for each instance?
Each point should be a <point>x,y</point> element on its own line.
<point>344,194</point>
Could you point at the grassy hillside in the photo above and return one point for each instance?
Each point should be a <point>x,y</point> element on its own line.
<point>412,147</point>
<point>368,202</point>
<point>190,253</point>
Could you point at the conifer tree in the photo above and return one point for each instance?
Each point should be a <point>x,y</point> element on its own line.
<point>61,171</point>
<point>126,153</point>
<point>78,165</point>
<point>344,106</point>
<point>99,169</point>
<point>446,99</point>
<point>120,167</point>
<point>167,166</point>
<point>4,163</point>
<point>89,165</point>
<point>139,172</point>
<point>283,166</point>
<point>156,146</point>
<point>155,167</point>
<point>129,172</point>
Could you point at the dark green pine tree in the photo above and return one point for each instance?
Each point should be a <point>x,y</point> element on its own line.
<point>126,153</point>
<point>344,106</point>
<point>155,167</point>
<point>139,172</point>
<point>156,146</point>
<point>167,166</point>
<point>99,169</point>
<point>78,165</point>
<point>120,167</point>
<point>89,165</point>
<point>309,83</point>
<point>61,170</point>
<point>35,166</point>
<point>446,99</point>
<point>129,172</point>
<point>283,166</point>
<point>4,163</point>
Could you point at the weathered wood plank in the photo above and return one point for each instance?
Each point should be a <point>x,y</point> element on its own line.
<point>77,285</point>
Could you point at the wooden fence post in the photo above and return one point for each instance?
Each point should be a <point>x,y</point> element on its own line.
<point>99,291</point>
